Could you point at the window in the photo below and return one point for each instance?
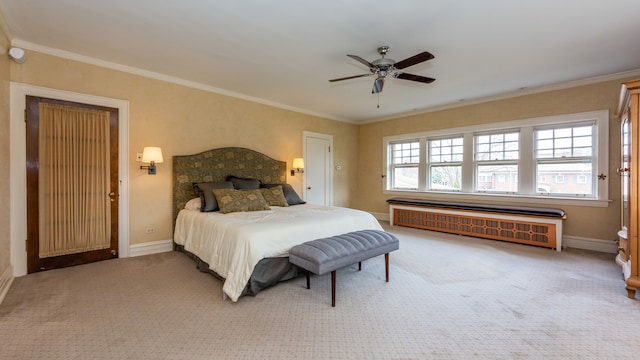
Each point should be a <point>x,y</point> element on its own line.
<point>405,160</point>
<point>555,156</point>
<point>566,151</point>
<point>445,163</point>
<point>496,157</point>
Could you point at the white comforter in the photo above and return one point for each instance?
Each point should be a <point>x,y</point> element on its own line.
<point>232,244</point>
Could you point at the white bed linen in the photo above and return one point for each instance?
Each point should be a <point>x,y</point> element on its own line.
<point>232,244</point>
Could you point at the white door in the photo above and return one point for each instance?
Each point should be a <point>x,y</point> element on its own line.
<point>318,160</point>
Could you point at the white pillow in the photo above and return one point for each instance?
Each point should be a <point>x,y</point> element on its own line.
<point>193,204</point>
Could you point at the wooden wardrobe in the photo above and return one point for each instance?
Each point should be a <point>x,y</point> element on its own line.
<point>628,247</point>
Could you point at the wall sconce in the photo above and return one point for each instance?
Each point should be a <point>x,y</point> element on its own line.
<point>297,166</point>
<point>17,55</point>
<point>151,155</point>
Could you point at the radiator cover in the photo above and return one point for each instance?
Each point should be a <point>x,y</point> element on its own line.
<point>529,230</point>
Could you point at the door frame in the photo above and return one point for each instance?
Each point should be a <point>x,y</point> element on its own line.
<point>329,165</point>
<point>17,185</point>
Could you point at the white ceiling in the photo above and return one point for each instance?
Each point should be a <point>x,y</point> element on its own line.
<point>284,52</point>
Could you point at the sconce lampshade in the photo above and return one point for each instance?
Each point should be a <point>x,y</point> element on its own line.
<point>152,154</point>
<point>298,163</point>
<point>297,166</point>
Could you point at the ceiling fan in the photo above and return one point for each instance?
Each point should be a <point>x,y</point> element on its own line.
<point>384,67</point>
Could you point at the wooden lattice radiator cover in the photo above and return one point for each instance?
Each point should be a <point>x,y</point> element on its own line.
<point>529,230</point>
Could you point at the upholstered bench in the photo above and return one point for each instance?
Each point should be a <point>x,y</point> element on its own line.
<point>330,254</point>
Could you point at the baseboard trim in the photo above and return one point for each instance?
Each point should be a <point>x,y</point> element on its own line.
<point>380,216</point>
<point>6,279</point>
<point>576,242</point>
<point>152,247</point>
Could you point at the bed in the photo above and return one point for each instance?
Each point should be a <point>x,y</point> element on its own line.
<point>249,249</point>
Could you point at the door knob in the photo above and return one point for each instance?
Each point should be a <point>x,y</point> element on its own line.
<point>308,187</point>
<point>112,196</point>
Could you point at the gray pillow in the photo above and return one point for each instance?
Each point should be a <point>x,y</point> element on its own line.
<point>244,184</point>
<point>207,199</point>
<point>289,194</point>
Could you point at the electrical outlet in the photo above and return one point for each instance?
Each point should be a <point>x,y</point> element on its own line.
<point>150,230</point>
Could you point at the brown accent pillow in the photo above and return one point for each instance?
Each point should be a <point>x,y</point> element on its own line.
<point>231,200</point>
<point>274,196</point>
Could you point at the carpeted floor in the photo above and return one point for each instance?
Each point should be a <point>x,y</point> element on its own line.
<point>450,297</point>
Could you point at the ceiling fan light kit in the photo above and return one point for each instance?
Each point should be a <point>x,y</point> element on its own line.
<point>384,67</point>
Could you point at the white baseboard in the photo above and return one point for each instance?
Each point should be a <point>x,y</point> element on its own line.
<point>380,216</point>
<point>152,247</point>
<point>6,279</point>
<point>576,242</point>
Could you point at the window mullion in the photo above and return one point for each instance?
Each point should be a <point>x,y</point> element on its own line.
<point>423,165</point>
<point>468,166</point>
<point>527,163</point>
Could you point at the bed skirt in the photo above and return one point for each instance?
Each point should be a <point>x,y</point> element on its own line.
<point>268,271</point>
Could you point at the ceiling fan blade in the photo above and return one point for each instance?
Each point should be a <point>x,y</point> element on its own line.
<point>412,77</point>
<point>423,56</point>
<point>349,77</point>
<point>363,61</point>
<point>377,85</point>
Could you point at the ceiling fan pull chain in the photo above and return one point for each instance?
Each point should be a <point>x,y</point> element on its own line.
<point>378,100</point>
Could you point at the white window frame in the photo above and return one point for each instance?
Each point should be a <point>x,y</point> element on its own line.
<point>502,161</point>
<point>526,174</point>
<point>393,166</point>
<point>569,153</point>
<point>442,163</point>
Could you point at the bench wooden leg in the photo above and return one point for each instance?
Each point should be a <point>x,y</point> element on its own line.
<point>386,265</point>
<point>333,288</point>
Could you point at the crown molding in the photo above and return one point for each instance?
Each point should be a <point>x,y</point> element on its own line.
<point>522,92</point>
<point>162,77</point>
<point>195,85</point>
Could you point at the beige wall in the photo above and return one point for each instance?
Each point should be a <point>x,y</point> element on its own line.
<point>588,222</point>
<point>5,240</point>
<point>184,120</point>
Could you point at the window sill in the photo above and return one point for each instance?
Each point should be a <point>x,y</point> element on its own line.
<point>502,198</point>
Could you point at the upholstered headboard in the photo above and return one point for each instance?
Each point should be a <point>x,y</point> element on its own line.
<point>216,165</point>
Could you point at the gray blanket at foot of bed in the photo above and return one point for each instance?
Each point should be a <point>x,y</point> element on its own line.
<point>267,272</point>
